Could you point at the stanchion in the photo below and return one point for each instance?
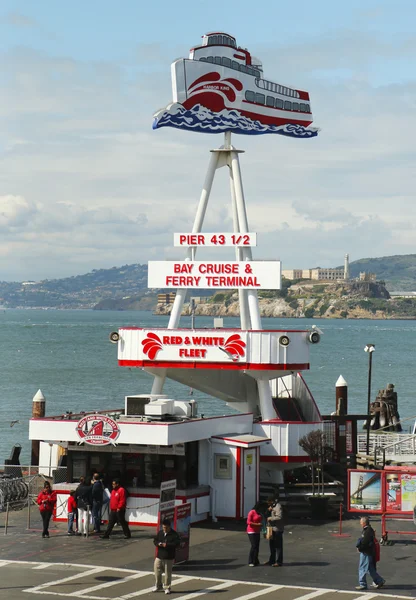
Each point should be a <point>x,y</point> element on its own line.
<point>28,511</point>
<point>340,534</point>
<point>6,524</point>
<point>87,524</point>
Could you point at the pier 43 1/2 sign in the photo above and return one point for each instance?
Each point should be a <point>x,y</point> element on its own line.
<point>264,275</point>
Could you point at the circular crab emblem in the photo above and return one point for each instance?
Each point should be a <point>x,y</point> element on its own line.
<point>97,430</point>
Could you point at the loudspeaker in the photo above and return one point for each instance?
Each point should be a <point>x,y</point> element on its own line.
<point>284,340</point>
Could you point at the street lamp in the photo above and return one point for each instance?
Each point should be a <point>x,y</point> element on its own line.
<point>370,349</point>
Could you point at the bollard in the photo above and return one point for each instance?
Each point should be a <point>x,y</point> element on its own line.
<point>28,511</point>
<point>340,534</point>
<point>6,524</point>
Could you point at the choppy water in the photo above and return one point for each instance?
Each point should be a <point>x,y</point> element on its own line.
<point>68,356</point>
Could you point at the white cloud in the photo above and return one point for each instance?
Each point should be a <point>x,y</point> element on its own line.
<point>82,172</point>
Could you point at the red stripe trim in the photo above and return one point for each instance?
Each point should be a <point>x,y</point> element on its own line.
<point>238,485</point>
<point>285,459</point>
<point>219,329</point>
<point>166,364</point>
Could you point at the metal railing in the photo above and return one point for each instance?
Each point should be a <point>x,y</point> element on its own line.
<point>394,444</point>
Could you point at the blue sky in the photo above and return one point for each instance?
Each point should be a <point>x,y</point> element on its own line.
<point>82,172</point>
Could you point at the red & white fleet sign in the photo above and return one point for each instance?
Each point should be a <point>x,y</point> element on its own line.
<point>254,275</point>
<point>182,345</point>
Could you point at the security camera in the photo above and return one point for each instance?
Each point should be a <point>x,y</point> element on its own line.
<point>114,337</point>
<point>284,340</point>
<point>315,328</point>
<point>314,337</point>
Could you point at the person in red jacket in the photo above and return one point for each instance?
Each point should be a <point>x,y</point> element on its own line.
<point>118,504</point>
<point>46,502</point>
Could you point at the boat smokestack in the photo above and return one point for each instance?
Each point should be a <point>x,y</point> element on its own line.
<point>38,412</point>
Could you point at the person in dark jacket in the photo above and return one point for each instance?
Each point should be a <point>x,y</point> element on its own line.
<point>118,505</point>
<point>46,501</point>
<point>83,497</point>
<point>166,542</point>
<point>275,521</point>
<point>366,548</point>
<point>97,501</point>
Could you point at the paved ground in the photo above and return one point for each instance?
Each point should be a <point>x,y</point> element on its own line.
<point>317,564</point>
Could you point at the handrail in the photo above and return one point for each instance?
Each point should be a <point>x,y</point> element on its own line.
<point>411,437</point>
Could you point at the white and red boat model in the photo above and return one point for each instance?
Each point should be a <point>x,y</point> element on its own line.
<point>221,87</point>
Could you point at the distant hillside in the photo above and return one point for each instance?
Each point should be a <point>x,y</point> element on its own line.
<point>125,288</point>
<point>399,272</point>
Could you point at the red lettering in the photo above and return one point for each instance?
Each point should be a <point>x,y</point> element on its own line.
<point>182,239</point>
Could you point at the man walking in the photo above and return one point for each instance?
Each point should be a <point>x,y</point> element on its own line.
<point>366,547</point>
<point>118,505</point>
<point>166,542</point>
<point>275,521</point>
<point>97,501</point>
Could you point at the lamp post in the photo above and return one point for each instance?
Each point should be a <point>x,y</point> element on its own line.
<point>370,349</point>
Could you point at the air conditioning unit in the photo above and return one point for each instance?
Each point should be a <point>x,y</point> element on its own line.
<point>185,408</point>
<point>134,405</point>
<point>159,408</point>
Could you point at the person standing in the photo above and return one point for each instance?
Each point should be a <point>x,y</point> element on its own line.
<point>97,501</point>
<point>83,496</point>
<point>254,525</point>
<point>72,512</point>
<point>118,505</point>
<point>166,542</point>
<point>275,521</point>
<point>46,501</point>
<point>366,548</point>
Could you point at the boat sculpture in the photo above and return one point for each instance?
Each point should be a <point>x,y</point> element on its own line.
<point>221,87</point>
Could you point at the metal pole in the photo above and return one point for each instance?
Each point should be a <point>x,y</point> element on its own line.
<point>370,361</point>
<point>87,524</point>
<point>28,511</point>
<point>6,524</point>
<point>178,303</point>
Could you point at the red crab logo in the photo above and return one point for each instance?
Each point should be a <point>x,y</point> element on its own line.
<point>151,345</point>
<point>234,347</point>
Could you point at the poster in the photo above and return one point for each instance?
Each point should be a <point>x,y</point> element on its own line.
<point>393,492</point>
<point>408,492</point>
<point>167,494</point>
<point>183,528</point>
<point>365,491</point>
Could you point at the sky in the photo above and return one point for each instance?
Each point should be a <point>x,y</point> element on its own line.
<point>85,183</point>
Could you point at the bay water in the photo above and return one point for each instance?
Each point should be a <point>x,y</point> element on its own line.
<point>67,354</point>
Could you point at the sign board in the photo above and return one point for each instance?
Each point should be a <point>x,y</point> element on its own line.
<point>207,346</point>
<point>182,526</point>
<point>247,275</point>
<point>214,239</point>
<point>365,491</point>
<point>400,492</point>
<point>97,430</point>
<point>167,495</point>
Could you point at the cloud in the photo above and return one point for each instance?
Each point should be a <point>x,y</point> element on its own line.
<point>82,172</point>
<point>16,19</point>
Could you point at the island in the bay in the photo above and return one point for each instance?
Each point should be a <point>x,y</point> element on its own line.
<point>372,288</point>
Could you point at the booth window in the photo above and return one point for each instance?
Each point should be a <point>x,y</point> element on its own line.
<point>222,466</point>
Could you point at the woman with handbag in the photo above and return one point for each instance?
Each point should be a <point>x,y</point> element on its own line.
<point>275,529</point>
<point>254,525</point>
<point>46,501</point>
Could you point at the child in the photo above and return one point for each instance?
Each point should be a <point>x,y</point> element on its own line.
<point>72,512</point>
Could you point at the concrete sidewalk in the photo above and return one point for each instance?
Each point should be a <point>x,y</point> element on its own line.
<point>312,555</point>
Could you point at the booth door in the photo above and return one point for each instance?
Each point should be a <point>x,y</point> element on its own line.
<point>250,494</point>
